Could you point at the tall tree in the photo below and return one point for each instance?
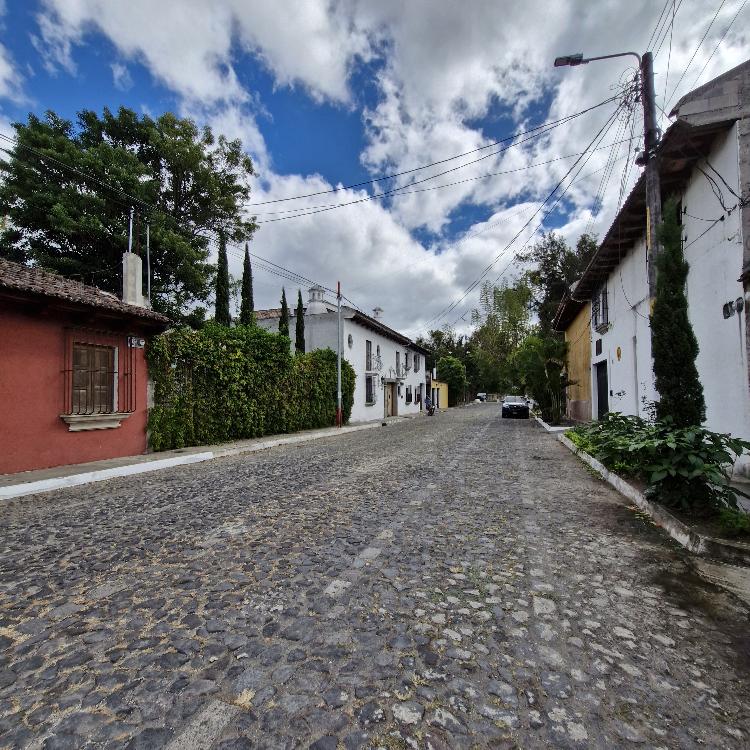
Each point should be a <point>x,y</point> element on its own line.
<point>62,217</point>
<point>502,321</point>
<point>222,314</point>
<point>555,266</point>
<point>247,306</point>
<point>284,318</point>
<point>452,371</point>
<point>673,341</point>
<point>299,344</point>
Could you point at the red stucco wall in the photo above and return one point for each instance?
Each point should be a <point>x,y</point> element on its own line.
<point>32,435</point>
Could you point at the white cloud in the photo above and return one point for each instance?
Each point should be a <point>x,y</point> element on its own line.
<point>121,76</point>
<point>444,69</point>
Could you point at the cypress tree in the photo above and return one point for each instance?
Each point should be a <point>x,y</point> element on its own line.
<point>673,343</point>
<point>222,285</point>
<point>246,305</point>
<point>284,319</point>
<point>299,344</point>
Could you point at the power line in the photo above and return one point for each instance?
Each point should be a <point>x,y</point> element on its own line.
<point>395,190</point>
<point>404,189</point>
<point>654,32</point>
<point>695,52</point>
<point>718,44</point>
<point>452,306</point>
<point>544,127</point>
<point>271,267</point>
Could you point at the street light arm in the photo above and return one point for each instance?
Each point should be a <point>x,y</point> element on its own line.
<point>619,54</point>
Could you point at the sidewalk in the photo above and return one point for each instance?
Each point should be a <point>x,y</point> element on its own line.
<point>46,480</point>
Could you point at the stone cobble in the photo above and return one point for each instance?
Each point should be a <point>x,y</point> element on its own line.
<point>453,582</point>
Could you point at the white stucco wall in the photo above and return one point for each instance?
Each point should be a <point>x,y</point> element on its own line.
<point>631,381</point>
<point>715,265</point>
<point>320,333</point>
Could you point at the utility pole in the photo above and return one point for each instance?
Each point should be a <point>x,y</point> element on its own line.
<point>649,157</point>
<point>653,185</point>
<point>339,410</point>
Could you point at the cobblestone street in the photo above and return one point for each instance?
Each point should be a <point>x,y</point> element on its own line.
<point>452,582</point>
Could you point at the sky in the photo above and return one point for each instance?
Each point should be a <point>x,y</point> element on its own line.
<point>351,99</point>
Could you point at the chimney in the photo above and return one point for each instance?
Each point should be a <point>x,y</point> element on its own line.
<point>315,304</point>
<point>377,313</point>
<point>132,280</point>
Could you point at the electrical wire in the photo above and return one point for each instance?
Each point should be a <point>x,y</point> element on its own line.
<point>718,44</point>
<point>545,127</point>
<point>655,31</point>
<point>404,189</point>
<point>395,190</point>
<point>695,52</point>
<point>452,306</point>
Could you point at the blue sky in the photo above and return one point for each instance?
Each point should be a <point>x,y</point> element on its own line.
<point>329,93</point>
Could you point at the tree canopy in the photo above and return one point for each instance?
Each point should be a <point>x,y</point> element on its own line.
<point>453,372</point>
<point>299,325</point>
<point>284,317</point>
<point>67,191</point>
<point>222,314</point>
<point>555,267</point>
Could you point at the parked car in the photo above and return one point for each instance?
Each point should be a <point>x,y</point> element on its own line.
<point>515,407</point>
<point>481,397</point>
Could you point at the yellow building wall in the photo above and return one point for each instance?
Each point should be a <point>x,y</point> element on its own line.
<point>440,391</point>
<point>578,336</point>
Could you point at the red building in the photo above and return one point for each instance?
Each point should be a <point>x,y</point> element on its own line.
<point>73,377</point>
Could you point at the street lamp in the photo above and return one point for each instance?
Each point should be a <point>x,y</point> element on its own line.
<point>650,142</point>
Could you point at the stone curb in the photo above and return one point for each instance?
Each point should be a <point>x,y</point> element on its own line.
<point>141,467</point>
<point>549,427</point>
<point>699,544</point>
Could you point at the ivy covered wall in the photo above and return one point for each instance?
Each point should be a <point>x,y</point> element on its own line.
<point>219,384</point>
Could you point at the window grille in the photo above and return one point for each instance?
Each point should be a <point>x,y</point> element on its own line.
<point>99,373</point>
<point>368,356</point>
<point>369,389</point>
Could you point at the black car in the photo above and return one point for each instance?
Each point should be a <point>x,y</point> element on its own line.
<point>515,407</point>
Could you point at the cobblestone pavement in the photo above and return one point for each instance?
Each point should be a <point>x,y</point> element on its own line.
<point>452,582</point>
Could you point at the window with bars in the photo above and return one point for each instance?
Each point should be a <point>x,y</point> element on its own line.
<point>368,356</point>
<point>600,308</point>
<point>408,394</point>
<point>93,379</point>
<point>416,363</point>
<point>369,390</point>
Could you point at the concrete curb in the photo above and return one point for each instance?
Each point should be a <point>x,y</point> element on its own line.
<point>549,427</point>
<point>141,467</point>
<point>699,544</point>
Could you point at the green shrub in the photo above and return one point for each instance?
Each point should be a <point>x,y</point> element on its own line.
<point>221,384</point>
<point>685,467</point>
<point>734,522</point>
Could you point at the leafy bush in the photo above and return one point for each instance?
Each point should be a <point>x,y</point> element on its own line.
<point>221,384</point>
<point>734,522</point>
<point>686,467</point>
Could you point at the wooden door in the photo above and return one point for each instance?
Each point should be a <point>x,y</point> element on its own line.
<point>390,399</point>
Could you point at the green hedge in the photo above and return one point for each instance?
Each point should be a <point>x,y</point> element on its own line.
<point>219,384</point>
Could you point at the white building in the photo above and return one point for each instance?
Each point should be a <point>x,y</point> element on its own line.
<point>704,161</point>
<point>390,368</point>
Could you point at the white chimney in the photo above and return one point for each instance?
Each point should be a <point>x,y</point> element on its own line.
<point>315,303</point>
<point>132,280</point>
<point>377,313</point>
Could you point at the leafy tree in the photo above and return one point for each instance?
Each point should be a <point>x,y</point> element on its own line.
<point>453,372</point>
<point>503,320</point>
<point>247,306</point>
<point>284,319</point>
<point>221,314</point>
<point>299,344</point>
<point>539,364</point>
<point>673,342</point>
<point>61,217</point>
<point>556,267</point>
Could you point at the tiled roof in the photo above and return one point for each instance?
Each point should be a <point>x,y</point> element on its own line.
<point>36,282</point>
